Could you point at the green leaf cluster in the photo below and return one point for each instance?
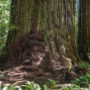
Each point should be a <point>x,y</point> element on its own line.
<point>83,81</point>
<point>4,21</point>
<point>84,65</point>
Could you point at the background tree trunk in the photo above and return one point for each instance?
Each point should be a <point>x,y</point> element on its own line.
<point>84,28</point>
<point>54,17</point>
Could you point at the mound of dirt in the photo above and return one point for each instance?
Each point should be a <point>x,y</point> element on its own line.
<point>31,60</point>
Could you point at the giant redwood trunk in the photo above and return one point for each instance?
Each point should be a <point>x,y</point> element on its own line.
<point>84,28</point>
<point>56,18</point>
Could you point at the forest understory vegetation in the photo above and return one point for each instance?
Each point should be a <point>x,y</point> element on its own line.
<point>45,58</point>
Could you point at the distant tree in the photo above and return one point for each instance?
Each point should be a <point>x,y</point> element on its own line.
<point>84,28</point>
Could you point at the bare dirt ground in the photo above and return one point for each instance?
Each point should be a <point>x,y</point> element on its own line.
<point>31,60</point>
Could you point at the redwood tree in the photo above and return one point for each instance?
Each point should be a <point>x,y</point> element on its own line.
<point>84,28</point>
<point>55,17</point>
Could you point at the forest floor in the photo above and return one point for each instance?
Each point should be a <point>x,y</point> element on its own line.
<point>31,61</point>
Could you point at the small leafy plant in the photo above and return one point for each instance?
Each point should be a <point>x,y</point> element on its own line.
<point>84,65</point>
<point>28,86</point>
<point>50,85</point>
<point>31,86</point>
<point>83,81</point>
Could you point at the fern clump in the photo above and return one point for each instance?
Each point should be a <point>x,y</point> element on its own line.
<point>83,81</point>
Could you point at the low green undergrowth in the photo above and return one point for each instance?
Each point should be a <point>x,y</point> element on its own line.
<point>49,85</point>
<point>83,81</point>
<point>27,86</point>
<point>73,87</point>
<point>84,65</point>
